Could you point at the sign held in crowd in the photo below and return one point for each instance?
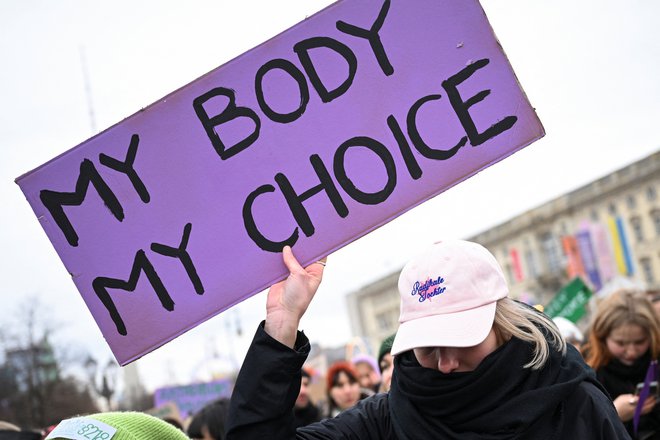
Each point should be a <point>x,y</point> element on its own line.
<point>311,139</point>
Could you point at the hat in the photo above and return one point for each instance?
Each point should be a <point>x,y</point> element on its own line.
<point>366,359</point>
<point>570,332</point>
<point>385,347</point>
<point>448,296</point>
<point>117,426</point>
<point>335,369</point>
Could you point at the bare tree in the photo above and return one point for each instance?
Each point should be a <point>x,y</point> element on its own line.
<point>33,390</point>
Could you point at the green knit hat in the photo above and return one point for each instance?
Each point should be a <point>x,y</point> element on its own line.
<point>385,347</point>
<point>116,426</point>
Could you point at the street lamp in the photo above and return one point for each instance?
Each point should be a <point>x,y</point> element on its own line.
<point>108,379</point>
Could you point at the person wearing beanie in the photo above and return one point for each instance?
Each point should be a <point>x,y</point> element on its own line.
<point>469,363</point>
<point>386,363</point>
<point>368,373</point>
<point>116,426</point>
<point>343,388</point>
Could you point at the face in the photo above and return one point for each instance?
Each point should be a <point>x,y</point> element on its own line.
<point>366,375</point>
<point>386,367</point>
<point>456,359</point>
<point>627,343</point>
<point>345,394</point>
<point>206,434</point>
<point>656,306</point>
<point>303,395</point>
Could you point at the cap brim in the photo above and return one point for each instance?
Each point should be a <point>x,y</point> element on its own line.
<point>461,329</point>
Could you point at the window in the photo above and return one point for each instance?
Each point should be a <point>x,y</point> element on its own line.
<point>656,220</point>
<point>385,321</point>
<point>647,269</point>
<point>594,215</point>
<point>612,209</point>
<point>636,224</point>
<point>530,261</point>
<point>631,202</point>
<point>552,252</point>
<point>509,274</point>
<point>651,194</point>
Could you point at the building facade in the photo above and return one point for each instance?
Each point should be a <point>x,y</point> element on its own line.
<point>604,231</point>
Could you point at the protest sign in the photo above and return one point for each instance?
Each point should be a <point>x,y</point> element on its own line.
<point>569,302</point>
<point>188,399</point>
<point>312,139</point>
<point>166,411</point>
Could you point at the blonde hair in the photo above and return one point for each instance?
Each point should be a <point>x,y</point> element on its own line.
<point>516,319</point>
<point>620,308</point>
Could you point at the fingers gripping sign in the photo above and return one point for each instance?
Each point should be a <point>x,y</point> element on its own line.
<point>288,300</point>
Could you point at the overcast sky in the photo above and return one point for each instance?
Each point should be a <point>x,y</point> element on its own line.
<point>590,68</point>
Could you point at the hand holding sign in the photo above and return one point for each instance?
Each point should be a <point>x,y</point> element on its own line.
<point>288,300</point>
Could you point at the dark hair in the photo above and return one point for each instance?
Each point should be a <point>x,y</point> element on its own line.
<point>213,416</point>
<point>174,422</point>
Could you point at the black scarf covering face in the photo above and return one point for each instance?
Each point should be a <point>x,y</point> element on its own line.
<point>498,400</point>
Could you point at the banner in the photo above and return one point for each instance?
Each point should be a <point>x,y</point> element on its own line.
<point>574,266</point>
<point>517,266</point>
<point>166,411</point>
<point>311,139</point>
<point>569,302</point>
<point>188,399</point>
<point>603,252</point>
<point>620,245</point>
<point>589,263</point>
<point>623,237</point>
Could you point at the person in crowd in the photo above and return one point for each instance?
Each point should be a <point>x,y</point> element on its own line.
<point>343,388</point>
<point>9,431</point>
<point>624,337</point>
<point>569,331</point>
<point>174,422</point>
<point>654,296</point>
<point>367,371</point>
<point>126,425</point>
<point>386,363</point>
<point>304,410</point>
<point>210,421</point>
<point>469,363</point>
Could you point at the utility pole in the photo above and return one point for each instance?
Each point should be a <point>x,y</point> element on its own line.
<point>88,89</point>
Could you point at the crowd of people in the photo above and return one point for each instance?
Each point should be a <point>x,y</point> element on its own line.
<point>467,362</point>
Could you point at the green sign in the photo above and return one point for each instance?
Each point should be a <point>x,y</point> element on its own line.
<point>569,302</point>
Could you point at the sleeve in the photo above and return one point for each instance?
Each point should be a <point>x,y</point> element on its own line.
<point>265,393</point>
<point>597,417</point>
<point>268,383</point>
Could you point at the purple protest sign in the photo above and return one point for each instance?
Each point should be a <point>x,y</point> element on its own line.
<point>312,139</point>
<point>191,398</point>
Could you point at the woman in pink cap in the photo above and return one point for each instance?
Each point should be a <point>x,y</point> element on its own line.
<point>469,363</point>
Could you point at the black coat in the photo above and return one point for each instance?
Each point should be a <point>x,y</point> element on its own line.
<point>618,379</point>
<point>269,381</point>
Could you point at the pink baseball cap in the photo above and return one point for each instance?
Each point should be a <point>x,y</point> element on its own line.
<point>448,296</point>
